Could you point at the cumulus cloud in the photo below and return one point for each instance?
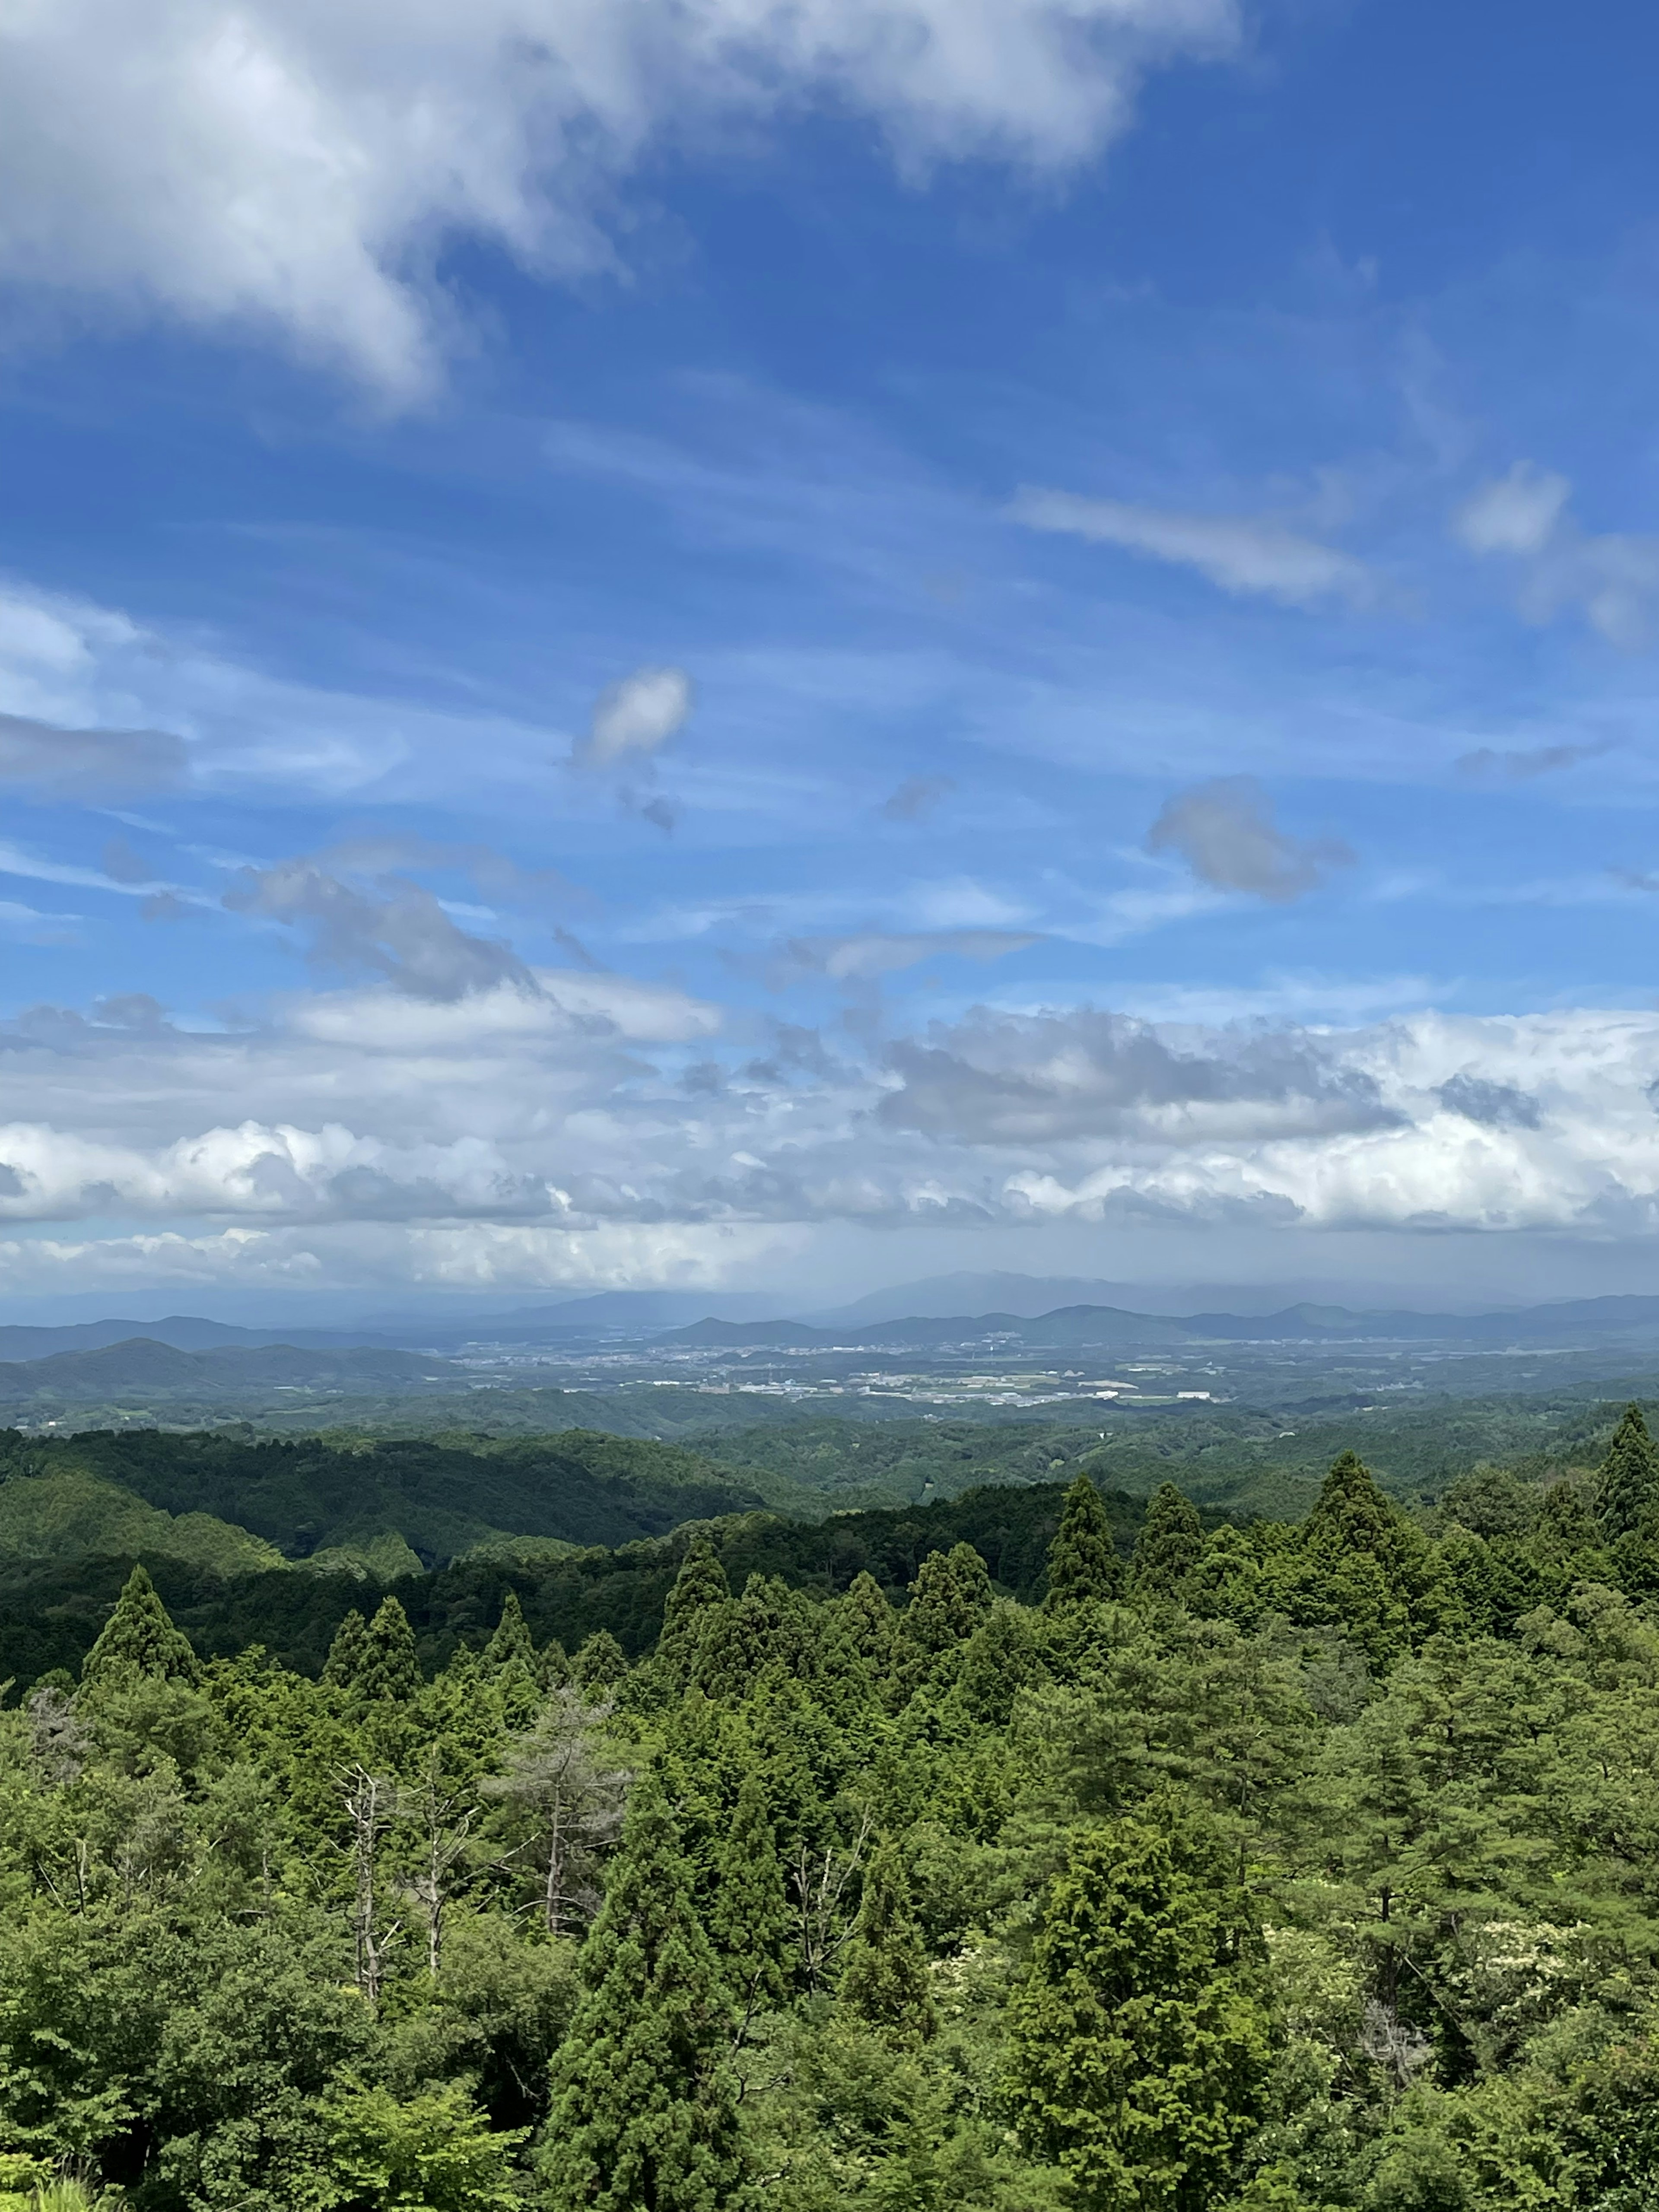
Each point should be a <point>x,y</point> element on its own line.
<point>298,166</point>
<point>1225,832</point>
<point>1494,1105</point>
<point>1046,1078</point>
<point>636,717</point>
<point>1241,553</point>
<point>505,1136</point>
<point>87,763</point>
<point>1611,580</point>
<point>394,928</point>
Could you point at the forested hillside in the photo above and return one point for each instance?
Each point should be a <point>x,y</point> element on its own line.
<point>1276,1868</point>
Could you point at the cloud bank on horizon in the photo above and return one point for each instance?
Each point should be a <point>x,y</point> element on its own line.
<point>1148,661</point>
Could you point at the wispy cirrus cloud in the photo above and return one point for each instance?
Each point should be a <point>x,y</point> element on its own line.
<point>1250,556</point>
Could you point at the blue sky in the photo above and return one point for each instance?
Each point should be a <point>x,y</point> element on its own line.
<point>744,647</point>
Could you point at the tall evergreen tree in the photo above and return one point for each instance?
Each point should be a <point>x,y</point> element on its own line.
<point>699,1585</point>
<point>1139,2041</point>
<point>600,1664</point>
<point>750,1921</point>
<point>644,2102</point>
<point>390,1671</point>
<point>347,1655</point>
<point>885,1977</point>
<point>512,1639</point>
<point>1628,1485</point>
<point>1169,1546</point>
<point>138,1639</point>
<point>866,1621</point>
<point>949,1598</point>
<point>1083,1561</point>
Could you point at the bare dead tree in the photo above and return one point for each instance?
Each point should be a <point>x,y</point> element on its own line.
<point>819,1883</point>
<point>443,1822</point>
<point>555,1782</point>
<point>370,1804</point>
<point>57,1737</point>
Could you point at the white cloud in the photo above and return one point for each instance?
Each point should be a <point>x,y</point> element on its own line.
<point>503,1138</point>
<point>300,165</point>
<point>1514,514</point>
<point>1240,553</point>
<point>1611,579</point>
<point>638,715</point>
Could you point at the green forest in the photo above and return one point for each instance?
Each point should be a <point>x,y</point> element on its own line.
<point>1039,1847</point>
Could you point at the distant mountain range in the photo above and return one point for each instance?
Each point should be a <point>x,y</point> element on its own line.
<point>141,1364</point>
<point>1578,1322</point>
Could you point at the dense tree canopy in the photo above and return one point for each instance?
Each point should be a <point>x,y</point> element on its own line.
<point>1309,1868</point>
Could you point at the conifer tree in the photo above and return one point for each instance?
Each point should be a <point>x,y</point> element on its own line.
<point>699,1585</point>
<point>1000,1658</point>
<point>347,1655</point>
<point>949,1598</point>
<point>885,1977</point>
<point>866,1623</point>
<point>138,1640</point>
<point>600,1664</point>
<point>749,1923</point>
<point>512,1639</point>
<point>1139,2042</point>
<point>644,2102</point>
<point>390,1671</point>
<point>1627,1485</point>
<point>1083,1561</point>
<point>1169,1546</point>
<point>1352,1515</point>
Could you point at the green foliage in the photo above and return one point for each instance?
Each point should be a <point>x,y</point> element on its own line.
<point>390,1670</point>
<point>1141,2042</point>
<point>1169,1546</point>
<point>750,1921</point>
<point>885,1981</point>
<point>700,1587</point>
<point>435,2153</point>
<point>1627,1485</point>
<point>1316,1871</point>
<point>138,1641</point>
<point>645,2108</point>
<point>1083,1563</point>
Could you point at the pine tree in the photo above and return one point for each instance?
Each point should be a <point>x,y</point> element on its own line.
<point>699,1585</point>
<point>1628,1485</point>
<point>1083,1561</point>
<point>512,1639</point>
<point>750,1921</point>
<point>138,1640</point>
<point>390,1671</point>
<point>1169,1546</point>
<point>644,2102</point>
<point>1139,2042</point>
<point>885,1977</point>
<point>347,1655</point>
